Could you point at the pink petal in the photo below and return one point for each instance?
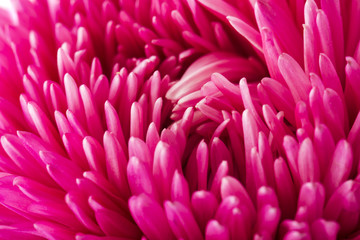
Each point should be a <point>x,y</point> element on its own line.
<point>53,231</point>
<point>79,206</point>
<point>308,163</point>
<point>291,70</point>
<point>322,228</point>
<point>150,217</point>
<point>94,153</point>
<point>116,163</point>
<point>182,221</point>
<point>180,190</point>
<point>140,178</point>
<point>312,199</point>
<point>340,168</point>
<point>204,206</point>
<point>285,188</point>
<point>112,222</point>
<point>215,231</point>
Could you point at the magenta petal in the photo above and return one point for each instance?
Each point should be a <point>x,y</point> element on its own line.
<point>165,164</point>
<point>37,191</point>
<point>340,167</point>
<point>268,219</point>
<point>311,199</point>
<point>78,204</point>
<point>180,190</point>
<point>215,231</point>
<point>140,178</point>
<point>150,217</point>
<point>112,222</point>
<point>308,163</point>
<point>139,149</point>
<point>94,153</point>
<point>232,187</point>
<point>202,157</point>
<point>325,146</point>
<point>322,228</point>
<point>113,123</point>
<point>62,170</point>
<point>285,187</point>
<point>53,231</point>
<point>182,221</point>
<point>204,205</point>
<point>116,163</point>
<point>247,31</point>
<point>73,98</point>
<point>291,70</point>
<point>92,117</point>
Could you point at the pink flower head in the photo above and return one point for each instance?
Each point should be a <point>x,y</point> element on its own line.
<point>186,119</point>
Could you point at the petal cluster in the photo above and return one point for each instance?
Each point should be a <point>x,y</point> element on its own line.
<point>186,119</point>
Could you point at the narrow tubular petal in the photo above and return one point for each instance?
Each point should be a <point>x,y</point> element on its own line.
<point>202,157</point>
<point>275,126</point>
<point>37,191</point>
<point>182,221</point>
<point>221,172</point>
<point>165,164</point>
<point>324,30</point>
<point>333,11</point>
<point>274,16</point>
<point>73,98</point>
<point>113,123</point>
<point>266,196</point>
<point>52,230</point>
<point>247,31</point>
<point>215,230</point>
<point>73,145</point>
<point>250,141</point>
<point>229,90</point>
<point>308,162</point>
<point>95,154</point>
<point>78,204</point>
<point>322,228</point>
<point>231,187</point>
<point>312,199</point>
<point>291,70</point>
<point>116,163</point>
<point>268,219</point>
<point>150,217</point>
<point>285,188</point>
<point>310,51</point>
<point>43,126</point>
<point>113,223</point>
<point>92,117</point>
<point>136,121</point>
<point>329,75</point>
<point>335,113</point>
<point>62,170</point>
<point>249,104</point>
<point>13,147</point>
<point>324,146</point>
<point>140,179</point>
<point>281,97</point>
<point>219,153</point>
<point>340,168</point>
<point>204,206</point>
<point>272,52</point>
<point>57,97</point>
<point>180,190</point>
<point>200,71</point>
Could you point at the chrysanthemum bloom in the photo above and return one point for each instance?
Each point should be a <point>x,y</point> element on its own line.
<point>186,119</point>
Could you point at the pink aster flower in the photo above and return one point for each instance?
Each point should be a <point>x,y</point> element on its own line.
<point>186,119</point>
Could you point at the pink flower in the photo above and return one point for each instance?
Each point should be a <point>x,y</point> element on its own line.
<point>180,119</point>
